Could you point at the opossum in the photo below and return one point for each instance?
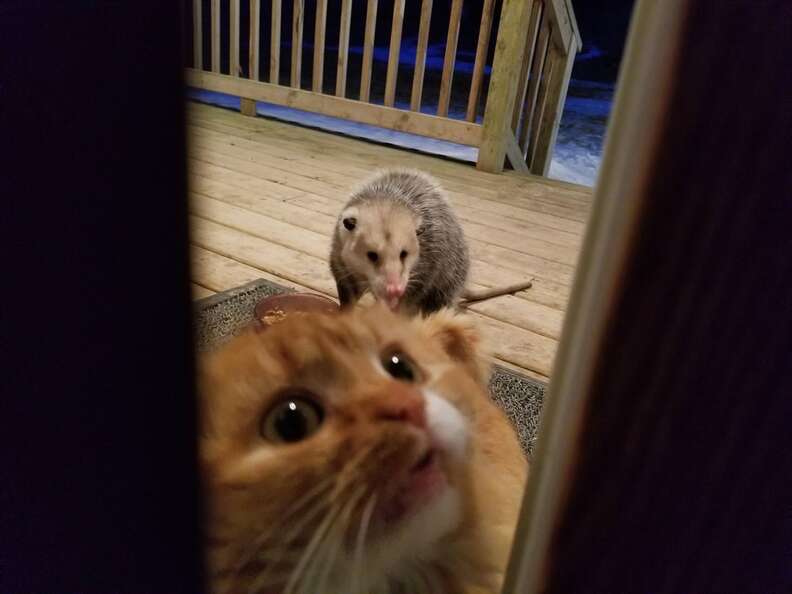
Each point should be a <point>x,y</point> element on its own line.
<point>398,237</point>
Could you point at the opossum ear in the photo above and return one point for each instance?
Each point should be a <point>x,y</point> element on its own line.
<point>419,226</point>
<point>460,340</point>
<point>349,219</point>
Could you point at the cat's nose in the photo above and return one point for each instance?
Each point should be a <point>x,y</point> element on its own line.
<point>400,403</point>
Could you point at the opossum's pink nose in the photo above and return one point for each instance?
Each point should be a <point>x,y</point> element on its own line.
<point>394,290</point>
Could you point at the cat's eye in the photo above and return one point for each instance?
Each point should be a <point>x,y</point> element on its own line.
<point>399,366</point>
<point>292,419</point>
<point>373,257</point>
<point>403,254</point>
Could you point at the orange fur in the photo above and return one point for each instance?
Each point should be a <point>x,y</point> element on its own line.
<point>264,500</point>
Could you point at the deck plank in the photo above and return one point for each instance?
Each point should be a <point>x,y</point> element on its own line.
<point>199,292</point>
<point>535,317</point>
<point>264,197</point>
<point>326,168</point>
<point>561,192</point>
<point>309,215</point>
<point>313,206</point>
<point>506,341</point>
<point>316,182</point>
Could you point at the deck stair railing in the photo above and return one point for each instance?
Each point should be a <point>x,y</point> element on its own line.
<point>536,42</point>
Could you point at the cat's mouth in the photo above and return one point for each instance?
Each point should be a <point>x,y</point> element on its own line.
<point>421,484</point>
<point>425,462</point>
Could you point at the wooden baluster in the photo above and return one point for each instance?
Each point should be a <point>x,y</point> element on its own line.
<point>319,45</point>
<point>248,106</point>
<point>275,43</point>
<point>553,107</point>
<point>540,55</point>
<point>216,36</point>
<point>420,55</point>
<point>450,58</point>
<point>297,42</point>
<point>343,47</point>
<point>368,51</point>
<point>481,59</point>
<point>393,56</point>
<point>233,38</point>
<point>550,63</point>
<point>522,86</point>
<point>254,65</point>
<point>197,35</point>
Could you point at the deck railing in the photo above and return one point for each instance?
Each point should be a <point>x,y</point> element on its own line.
<point>536,41</point>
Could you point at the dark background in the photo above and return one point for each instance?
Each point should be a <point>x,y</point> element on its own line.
<point>602,24</point>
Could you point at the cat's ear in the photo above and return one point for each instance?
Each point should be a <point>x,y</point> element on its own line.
<point>349,219</point>
<point>459,338</point>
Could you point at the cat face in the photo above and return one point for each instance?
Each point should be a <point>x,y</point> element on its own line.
<point>333,448</point>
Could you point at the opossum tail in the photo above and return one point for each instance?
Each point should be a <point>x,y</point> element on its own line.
<point>469,296</point>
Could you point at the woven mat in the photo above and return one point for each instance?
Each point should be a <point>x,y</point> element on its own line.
<point>221,316</point>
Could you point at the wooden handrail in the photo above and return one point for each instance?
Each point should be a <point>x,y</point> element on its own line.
<point>536,41</point>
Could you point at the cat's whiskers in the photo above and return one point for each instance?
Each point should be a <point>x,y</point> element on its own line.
<point>323,560</point>
<point>318,573</point>
<point>308,498</point>
<point>331,490</point>
<point>365,518</point>
<point>261,547</point>
<point>345,480</point>
<point>316,541</point>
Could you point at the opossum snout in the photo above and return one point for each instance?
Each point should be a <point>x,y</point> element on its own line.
<point>394,290</point>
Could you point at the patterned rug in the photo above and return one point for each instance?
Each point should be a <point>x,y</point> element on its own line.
<point>221,316</point>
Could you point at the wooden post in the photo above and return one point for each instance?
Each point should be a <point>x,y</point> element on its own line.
<point>247,107</point>
<point>503,84</point>
<point>553,108</point>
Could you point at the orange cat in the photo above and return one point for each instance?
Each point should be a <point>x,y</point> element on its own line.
<point>356,454</point>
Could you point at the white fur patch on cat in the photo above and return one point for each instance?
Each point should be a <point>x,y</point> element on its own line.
<point>447,425</point>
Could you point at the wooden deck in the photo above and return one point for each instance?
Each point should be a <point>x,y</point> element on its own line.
<point>264,196</point>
